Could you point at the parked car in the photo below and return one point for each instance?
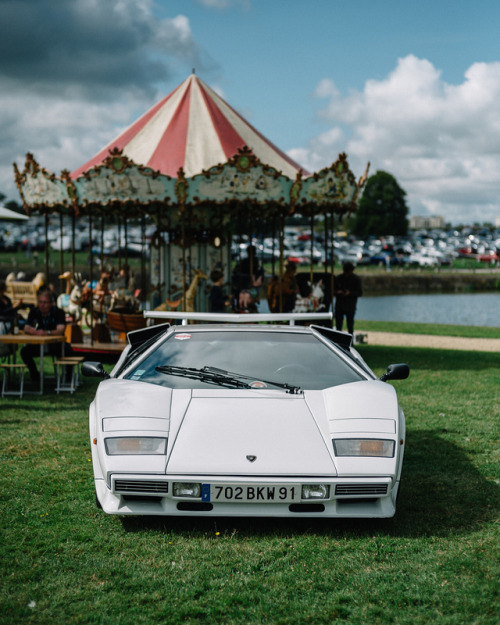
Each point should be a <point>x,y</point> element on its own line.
<point>245,420</point>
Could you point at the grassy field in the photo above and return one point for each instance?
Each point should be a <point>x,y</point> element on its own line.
<point>476,332</point>
<point>437,561</point>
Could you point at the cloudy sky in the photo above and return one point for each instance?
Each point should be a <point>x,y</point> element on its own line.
<point>411,87</point>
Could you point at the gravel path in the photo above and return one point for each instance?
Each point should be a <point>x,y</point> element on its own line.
<point>426,340</point>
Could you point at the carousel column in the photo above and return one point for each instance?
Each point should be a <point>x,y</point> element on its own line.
<point>91,279</point>
<point>125,227</point>
<point>119,241</point>
<point>273,234</point>
<point>73,242</point>
<point>61,252</point>
<point>228,271</point>
<point>281,265</point>
<point>102,243</point>
<point>326,246</point>
<point>183,246</point>
<point>332,257</point>
<point>311,273</point>
<point>47,249</point>
<point>143,285</point>
<point>204,265</point>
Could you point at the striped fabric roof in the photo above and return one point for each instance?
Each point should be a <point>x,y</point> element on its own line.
<point>192,128</point>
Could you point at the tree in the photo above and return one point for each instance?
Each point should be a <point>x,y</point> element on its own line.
<point>382,209</point>
<point>11,204</point>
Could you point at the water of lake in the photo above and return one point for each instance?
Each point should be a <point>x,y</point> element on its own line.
<point>469,309</point>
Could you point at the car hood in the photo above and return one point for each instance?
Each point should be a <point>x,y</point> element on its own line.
<point>259,434</point>
<point>245,432</point>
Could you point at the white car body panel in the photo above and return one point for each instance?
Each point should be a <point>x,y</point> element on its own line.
<point>218,433</point>
<point>247,439</point>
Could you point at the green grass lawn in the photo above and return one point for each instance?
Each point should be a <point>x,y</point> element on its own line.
<point>434,329</point>
<point>437,561</point>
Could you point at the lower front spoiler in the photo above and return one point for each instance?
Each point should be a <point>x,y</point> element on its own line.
<point>165,505</point>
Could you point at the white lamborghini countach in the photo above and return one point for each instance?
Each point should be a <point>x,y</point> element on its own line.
<point>245,420</point>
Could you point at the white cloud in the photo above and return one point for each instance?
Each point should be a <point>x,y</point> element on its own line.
<point>440,141</point>
<point>72,87</point>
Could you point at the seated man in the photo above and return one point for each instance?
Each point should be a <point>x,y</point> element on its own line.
<point>44,320</point>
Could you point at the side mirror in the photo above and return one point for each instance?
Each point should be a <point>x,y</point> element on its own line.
<point>396,372</point>
<point>94,370</point>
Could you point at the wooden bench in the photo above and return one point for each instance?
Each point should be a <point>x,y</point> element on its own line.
<point>10,370</point>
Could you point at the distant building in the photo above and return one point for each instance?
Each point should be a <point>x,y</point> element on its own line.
<point>432,222</point>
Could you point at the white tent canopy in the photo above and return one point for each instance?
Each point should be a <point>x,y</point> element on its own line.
<point>7,214</point>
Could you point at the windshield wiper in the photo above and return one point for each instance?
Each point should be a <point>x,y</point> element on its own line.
<point>221,377</point>
<point>290,388</point>
<point>204,375</point>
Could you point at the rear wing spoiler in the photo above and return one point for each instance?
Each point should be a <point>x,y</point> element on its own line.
<point>237,317</point>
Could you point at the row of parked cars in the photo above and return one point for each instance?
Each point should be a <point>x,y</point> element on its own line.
<point>25,236</point>
<point>419,249</point>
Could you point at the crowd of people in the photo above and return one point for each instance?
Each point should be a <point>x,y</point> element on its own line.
<point>247,278</point>
<point>116,290</point>
<point>113,289</point>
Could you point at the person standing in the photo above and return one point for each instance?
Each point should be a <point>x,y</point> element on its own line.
<point>44,320</point>
<point>347,289</point>
<point>282,293</point>
<point>246,281</point>
<point>219,301</point>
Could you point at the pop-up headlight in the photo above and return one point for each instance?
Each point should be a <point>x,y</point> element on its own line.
<point>136,446</point>
<point>368,447</point>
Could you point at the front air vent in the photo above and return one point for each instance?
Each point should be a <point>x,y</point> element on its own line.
<point>306,507</point>
<point>153,487</point>
<point>358,490</point>
<point>194,506</point>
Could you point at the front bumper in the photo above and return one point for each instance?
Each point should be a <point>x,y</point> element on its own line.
<point>360,497</point>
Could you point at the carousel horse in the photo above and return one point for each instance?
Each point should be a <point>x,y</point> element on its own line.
<point>191,292</point>
<point>71,300</point>
<point>122,299</point>
<point>189,295</point>
<point>313,303</point>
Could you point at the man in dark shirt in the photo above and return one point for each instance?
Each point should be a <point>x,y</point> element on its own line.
<point>219,302</point>
<point>44,320</point>
<point>347,290</point>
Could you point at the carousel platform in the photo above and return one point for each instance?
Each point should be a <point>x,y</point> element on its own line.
<point>104,345</point>
<point>104,352</point>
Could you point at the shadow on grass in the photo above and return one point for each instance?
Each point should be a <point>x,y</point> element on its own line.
<point>442,494</point>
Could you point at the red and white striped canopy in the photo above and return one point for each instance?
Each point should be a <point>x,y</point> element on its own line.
<point>192,128</point>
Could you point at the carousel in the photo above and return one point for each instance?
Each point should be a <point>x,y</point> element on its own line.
<point>206,179</point>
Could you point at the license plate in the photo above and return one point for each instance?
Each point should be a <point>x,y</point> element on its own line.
<point>250,493</point>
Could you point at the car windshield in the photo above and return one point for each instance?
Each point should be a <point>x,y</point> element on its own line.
<point>296,359</point>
